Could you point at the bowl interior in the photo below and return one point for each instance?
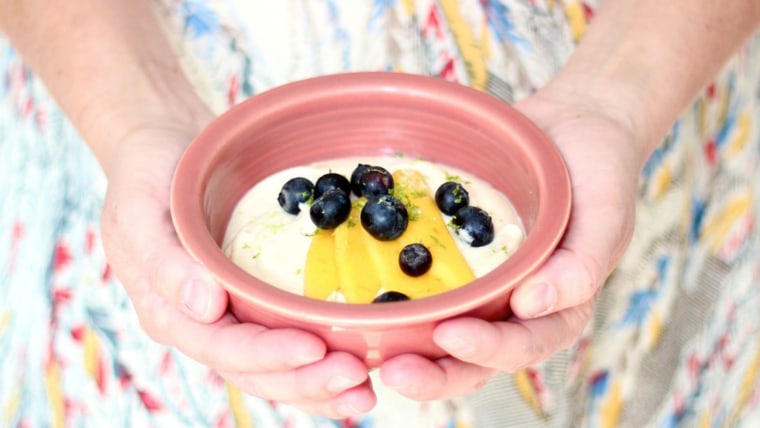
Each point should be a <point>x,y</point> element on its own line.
<point>359,114</point>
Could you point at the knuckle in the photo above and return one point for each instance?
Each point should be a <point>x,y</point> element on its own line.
<point>162,276</point>
<point>532,352</point>
<point>247,384</point>
<point>153,320</point>
<point>537,352</point>
<point>333,409</point>
<point>155,327</point>
<point>478,385</point>
<point>590,274</point>
<point>576,320</point>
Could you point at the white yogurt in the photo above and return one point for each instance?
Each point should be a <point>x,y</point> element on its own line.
<point>271,244</point>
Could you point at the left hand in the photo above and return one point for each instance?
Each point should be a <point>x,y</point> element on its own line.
<point>553,306</point>
<point>179,303</point>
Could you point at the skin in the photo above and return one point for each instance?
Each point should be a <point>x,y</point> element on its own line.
<point>112,71</point>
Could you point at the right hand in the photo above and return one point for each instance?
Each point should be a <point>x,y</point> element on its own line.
<point>554,305</point>
<point>179,303</point>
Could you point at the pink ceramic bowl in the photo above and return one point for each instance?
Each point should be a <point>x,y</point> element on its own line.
<point>371,113</point>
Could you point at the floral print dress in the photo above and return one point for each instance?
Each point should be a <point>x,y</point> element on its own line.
<point>675,338</point>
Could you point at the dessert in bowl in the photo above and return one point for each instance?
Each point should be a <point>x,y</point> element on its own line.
<point>370,115</point>
<point>371,229</point>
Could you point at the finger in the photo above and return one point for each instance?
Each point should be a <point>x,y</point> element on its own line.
<point>338,372</point>
<point>512,345</point>
<point>420,379</point>
<point>351,403</point>
<point>226,344</point>
<point>576,271</point>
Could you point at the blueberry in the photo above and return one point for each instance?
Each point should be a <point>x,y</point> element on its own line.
<point>331,209</point>
<point>371,180</point>
<point>331,180</point>
<point>384,217</point>
<point>450,197</point>
<point>355,176</point>
<point>376,181</point>
<point>391,296</point>
<point>473,225</point>
<point>415,259</point>
<point>294,192</point>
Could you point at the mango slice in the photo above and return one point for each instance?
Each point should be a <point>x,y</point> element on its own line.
<point>357,274</point>
<point>426,226</point>
<point>321,272</point>
<point>353,262</point>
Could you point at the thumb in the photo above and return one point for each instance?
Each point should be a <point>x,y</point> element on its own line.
<point>595,239</point>
<point>180,280</point>
<point>148,258</point>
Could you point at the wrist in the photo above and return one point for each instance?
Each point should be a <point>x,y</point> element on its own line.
<point>616,97</point>
<point>108,65</point>
<point>642,62</point>
<point>156,96</point>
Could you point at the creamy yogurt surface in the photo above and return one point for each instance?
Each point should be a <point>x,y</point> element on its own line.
<point>271,244</point>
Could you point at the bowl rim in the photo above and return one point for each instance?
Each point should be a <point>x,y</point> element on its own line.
<point>187,212</point>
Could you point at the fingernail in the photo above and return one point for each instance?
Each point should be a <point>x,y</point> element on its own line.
<point>458,345</point>
<point>195,297</point>
<point>541,299</point>
<point>340,383</point>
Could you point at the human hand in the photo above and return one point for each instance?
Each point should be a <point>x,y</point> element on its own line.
<point>179,303</point>
<point>552,307</point>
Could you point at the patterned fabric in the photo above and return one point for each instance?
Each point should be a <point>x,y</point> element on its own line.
<point>675,340</point>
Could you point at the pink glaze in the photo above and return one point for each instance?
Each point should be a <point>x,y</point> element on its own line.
<point>359,114</point>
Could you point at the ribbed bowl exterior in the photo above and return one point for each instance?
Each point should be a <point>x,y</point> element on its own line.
<point>363,114</point>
